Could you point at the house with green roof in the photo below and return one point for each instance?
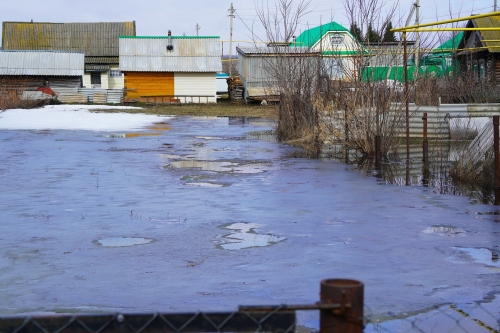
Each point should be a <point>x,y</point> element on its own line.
<point>340,49</point>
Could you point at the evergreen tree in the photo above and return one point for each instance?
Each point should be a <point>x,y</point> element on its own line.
<point>389,35</point>
<point>356,31</point>
<point>371,35</point>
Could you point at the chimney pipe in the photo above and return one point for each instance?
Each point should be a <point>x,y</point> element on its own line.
<point>170,47</point>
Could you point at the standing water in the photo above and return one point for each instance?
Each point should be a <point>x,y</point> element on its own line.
<point>207,214</point>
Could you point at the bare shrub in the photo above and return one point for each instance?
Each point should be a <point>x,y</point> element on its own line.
<point>11,90</point>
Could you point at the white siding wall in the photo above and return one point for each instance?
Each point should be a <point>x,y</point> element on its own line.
<point>195,84</point>
<point>116,82</point>
<point>86,80</point>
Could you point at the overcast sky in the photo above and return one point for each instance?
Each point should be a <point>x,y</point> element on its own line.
<point>156,17</point>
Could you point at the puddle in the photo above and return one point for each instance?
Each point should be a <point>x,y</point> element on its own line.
<point>445,230</point>
<point>482,255</point>
<point>122,241</point>
<point>244,236</point>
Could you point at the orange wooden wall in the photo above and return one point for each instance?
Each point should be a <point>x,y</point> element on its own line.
<point>139,84</point>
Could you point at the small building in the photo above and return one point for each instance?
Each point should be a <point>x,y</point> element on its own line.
<point>171,68</point>
<point>261,68</point>
<point>99,42</point>
<point>479,50</point>
<point>222,87</point>
<point>338,46</point>
<point>22,71</point>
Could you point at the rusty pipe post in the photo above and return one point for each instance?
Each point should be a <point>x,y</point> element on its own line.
<point>407,109</point>
<point>425,142</point>
<point>378,151</point>
<point>348,318</point>
<point>497,159</point>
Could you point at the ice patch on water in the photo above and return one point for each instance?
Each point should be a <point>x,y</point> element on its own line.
<point>205,184</point>
<point>122,241</point>
<point>444,230</point>
<point>219,166</point>
<point>245,237</point>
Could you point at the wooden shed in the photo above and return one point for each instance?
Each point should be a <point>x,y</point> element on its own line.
<point>22,71</point>
<point>479,51</point>
<point>171,68</point>
<point>99,42</point>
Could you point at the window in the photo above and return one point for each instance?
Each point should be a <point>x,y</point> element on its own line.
<point>337,69</point>
<point>336,39</point>
<point>115,73</point>
<point>95,78</point>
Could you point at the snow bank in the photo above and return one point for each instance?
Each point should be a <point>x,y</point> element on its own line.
<point>76,117</point>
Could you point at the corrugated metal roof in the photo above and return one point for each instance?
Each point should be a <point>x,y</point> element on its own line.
<point>101,60</point>
<point>96,68</point>
<point>188,54</point>
<point>489,22</point>
<point>94,39</point>
<point>41,63</point>
<point>279,50</point>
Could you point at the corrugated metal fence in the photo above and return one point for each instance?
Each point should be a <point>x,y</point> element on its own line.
<point>442,120</point>
<point>89,95</point>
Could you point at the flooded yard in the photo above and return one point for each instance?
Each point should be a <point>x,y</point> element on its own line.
<point>184,214</point>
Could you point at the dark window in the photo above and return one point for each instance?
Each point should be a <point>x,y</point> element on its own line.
<point>95,78</point>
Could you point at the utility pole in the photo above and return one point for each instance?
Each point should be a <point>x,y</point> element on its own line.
<point>495,6</point>
<point>197,29</point>
<point>231,15</point>
<point>417,38</point>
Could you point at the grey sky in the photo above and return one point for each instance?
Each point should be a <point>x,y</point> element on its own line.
<point>156,17</point>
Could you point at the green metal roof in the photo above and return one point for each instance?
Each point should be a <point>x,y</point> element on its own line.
<point>311,36</point>
<point>451,45</point>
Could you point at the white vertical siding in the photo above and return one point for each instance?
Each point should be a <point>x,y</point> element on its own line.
<point>86,80</point>
<point>104,80</point>
<point>195,84</point>
<point>116,82</point>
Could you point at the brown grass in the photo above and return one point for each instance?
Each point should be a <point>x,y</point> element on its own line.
<point>220,109</point>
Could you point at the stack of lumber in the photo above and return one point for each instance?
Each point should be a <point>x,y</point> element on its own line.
<point>235,88</point>
<point>99,98</point>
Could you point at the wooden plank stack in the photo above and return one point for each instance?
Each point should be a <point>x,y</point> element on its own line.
<point>235,88</point>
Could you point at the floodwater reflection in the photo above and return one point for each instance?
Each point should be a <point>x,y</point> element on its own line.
<point>434,174</point>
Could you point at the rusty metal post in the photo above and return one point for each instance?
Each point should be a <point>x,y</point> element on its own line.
<point>348,318</point>
<point>497,159</point>
<point>378,151</point>
<point>407,108</point>
<point>425,142</point>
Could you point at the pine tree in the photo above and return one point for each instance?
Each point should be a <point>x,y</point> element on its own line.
<point>356,31</point>
<point>371,35</point>
<point>389,35</point>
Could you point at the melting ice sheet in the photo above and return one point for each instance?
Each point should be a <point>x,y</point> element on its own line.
<point>244,236</point>
<point>122,241</point>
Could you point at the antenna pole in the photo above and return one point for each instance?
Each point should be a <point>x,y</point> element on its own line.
<point>231,15</point>
<point>417,38</point>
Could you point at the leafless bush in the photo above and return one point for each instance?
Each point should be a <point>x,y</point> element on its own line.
<point>294,72</point>
<point>10,92</point>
